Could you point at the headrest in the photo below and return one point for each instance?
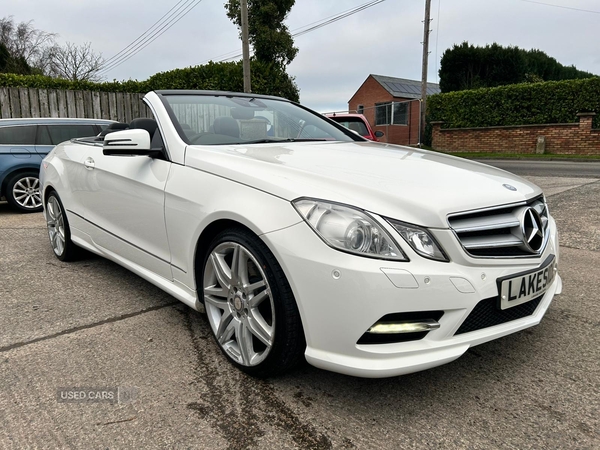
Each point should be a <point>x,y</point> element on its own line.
<point>241,113</point>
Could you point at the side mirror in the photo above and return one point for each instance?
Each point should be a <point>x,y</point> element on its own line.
<point>128,142</point>
<point>379,134</point>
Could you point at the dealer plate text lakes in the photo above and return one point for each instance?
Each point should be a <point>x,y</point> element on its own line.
<point>527,286</point>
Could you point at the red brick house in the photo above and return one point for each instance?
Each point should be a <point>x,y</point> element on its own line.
<point>391,105</point>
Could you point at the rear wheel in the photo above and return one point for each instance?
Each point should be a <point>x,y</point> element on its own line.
<point>250,306</point>
<point>23,192</point>
<point>58,230</point>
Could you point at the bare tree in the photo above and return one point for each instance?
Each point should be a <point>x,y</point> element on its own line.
<point>24,41</point>
<point>75,62</point>
<point>36,51</point>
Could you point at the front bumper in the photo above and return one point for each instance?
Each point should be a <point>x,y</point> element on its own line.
<point>340,296</point>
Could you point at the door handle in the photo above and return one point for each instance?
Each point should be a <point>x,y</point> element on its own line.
<point>89,163</point>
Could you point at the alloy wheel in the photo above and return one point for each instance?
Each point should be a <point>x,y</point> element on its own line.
<point>239,304</point>
<point>56,225</point>
<point>26,193</point>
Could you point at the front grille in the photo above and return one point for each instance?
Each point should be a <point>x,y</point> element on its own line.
<point>487,314</point>
<point>502,231</point>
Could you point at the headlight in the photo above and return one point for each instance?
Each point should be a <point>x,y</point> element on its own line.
<point>349,229</point>
<point>420,240</point>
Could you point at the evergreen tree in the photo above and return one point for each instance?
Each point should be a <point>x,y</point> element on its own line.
<point>269,36</point>
<point>12,64</point>
<point>465,66</point>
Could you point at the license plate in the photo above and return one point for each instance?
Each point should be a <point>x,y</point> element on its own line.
<point>518,289</point>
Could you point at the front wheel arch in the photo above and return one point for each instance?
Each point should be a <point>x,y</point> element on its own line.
<point>206,237</point>
<point>46,193</point>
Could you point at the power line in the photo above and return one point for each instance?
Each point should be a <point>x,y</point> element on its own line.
<point>144,37</point>
<point>339,17</point>
<point>173,18</point>
<point>561,6</point>
<point>311,26</point>
<point>143,34</point>
<point>178,11</point>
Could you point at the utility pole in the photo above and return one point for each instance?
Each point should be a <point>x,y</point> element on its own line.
<point>426,32</point>
<point>245,46</point>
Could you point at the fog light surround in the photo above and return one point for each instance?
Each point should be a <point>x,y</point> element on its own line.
<point>395,328</point>
<point>415,326</point>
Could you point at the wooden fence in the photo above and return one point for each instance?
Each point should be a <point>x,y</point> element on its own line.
<point>32,102</point>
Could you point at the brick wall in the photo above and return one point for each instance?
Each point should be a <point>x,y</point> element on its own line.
<point>564,138</point>
<point>370,93</point>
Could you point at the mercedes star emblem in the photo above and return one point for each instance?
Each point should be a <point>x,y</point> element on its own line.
<point>533,230</point>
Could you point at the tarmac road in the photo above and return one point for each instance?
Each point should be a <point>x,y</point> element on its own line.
<point>93,325</point>
<point>524,167</point>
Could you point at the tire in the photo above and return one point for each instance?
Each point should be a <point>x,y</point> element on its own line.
<point>251,310</point>
<point>23,192</point>
<point>59,231</point>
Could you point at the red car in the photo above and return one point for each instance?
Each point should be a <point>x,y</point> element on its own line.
<point>357,123</point>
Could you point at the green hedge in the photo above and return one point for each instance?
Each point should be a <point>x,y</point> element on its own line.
<point>225,76</point>
<point>517,104</point>
<point>267,79</point>
<point>42,82</point>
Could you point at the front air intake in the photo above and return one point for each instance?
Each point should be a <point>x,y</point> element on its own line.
<point>487,314</point>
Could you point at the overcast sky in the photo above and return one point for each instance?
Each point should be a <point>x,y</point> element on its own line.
<point>333,61</point>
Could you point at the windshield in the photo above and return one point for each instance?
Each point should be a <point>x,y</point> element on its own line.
<point>229,120</point>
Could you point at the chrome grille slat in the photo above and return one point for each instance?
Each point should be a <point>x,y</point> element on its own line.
<point>498,232</point>
<point>485,223</point>
<point>491,241</point>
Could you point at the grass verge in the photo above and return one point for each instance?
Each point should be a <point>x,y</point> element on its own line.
<point>533,156</point>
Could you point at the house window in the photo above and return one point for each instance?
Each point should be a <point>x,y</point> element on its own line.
<point>394,113</point>
<point>383,113</point>
<point>400,113</point>
<point>360,109</point>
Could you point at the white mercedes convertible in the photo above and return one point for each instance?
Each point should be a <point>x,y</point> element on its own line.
<point>300,239</point>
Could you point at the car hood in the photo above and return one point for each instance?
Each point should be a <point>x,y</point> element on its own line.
<point>416,186</point>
